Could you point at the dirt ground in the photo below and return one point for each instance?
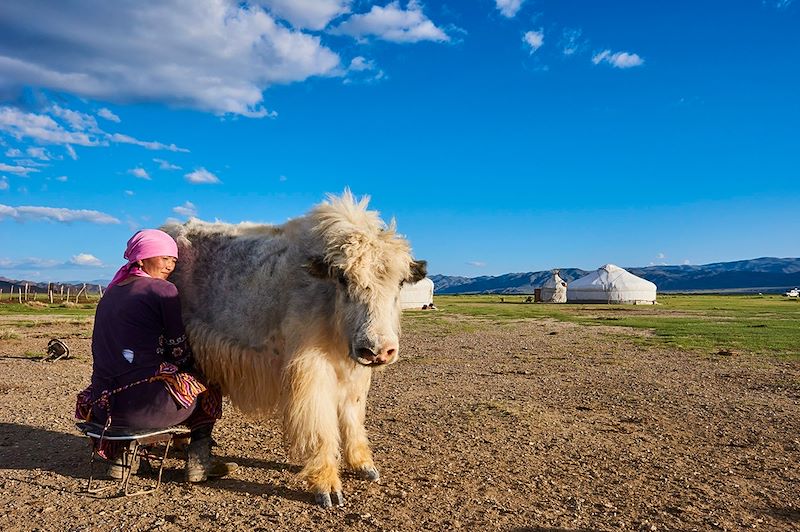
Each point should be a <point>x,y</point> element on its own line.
<point>526,426</point>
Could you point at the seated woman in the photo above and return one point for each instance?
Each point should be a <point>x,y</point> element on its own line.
<point>143,376</point>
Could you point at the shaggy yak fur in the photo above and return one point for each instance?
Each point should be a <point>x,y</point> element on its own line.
<point>293,319</point>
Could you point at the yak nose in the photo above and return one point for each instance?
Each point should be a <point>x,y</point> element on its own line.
<point>382,355</point>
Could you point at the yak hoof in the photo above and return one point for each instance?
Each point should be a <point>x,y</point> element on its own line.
<point>368,473</point>
<point>326,501</point>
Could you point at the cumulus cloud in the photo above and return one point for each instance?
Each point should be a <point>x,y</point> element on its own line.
<point>211,55</point>
<point>54,214</point>
<point>311,14</point>
<point>85,259</point>
<point>618,59</point>
<point>393,23</point>
<point>359,64</point>
<point>38,153</point>
<point>78,121</point>
<point>141,173</point>
<point>41,127</point>
<point>187,210</point>
<point>166,165</point>
<point>201,176</point>
<point>534,39</point>
<point>509,8</point>
<point>108,115</point>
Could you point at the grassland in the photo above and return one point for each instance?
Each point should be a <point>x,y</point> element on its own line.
<point>768,325</point>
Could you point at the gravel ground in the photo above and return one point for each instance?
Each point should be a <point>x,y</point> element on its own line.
<point>522,426</point>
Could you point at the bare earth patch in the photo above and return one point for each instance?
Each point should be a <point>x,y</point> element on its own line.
<point>526,426</point>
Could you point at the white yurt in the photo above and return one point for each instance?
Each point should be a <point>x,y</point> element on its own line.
<point>611,284</point>
<point>554,290</point>
<point>416,295</point>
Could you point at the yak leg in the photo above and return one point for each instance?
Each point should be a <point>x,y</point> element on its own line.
<point>310,424</point>
<point>352,410</point>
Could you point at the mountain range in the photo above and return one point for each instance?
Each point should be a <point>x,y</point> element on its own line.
<point>766,274</point>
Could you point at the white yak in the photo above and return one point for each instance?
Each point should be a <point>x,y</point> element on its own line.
<point>294,318</point>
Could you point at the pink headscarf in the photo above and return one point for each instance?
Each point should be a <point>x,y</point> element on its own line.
<point>145,244</point>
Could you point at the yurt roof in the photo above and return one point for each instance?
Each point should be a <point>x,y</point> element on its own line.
<point>611,277</point>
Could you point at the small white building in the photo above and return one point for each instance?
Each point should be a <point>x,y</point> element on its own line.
<point>611,284</point>
<point>554,290</point>
<point>416,295</point>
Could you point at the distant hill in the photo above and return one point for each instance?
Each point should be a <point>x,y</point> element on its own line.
<point>41,288</point>
<point>767,274</point>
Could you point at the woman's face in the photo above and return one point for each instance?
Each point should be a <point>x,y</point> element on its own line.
<point>159,267</point>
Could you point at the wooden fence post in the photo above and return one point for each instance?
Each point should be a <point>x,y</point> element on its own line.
<point>19,293</point>
<point>26,291</point>
<point>61,295</point>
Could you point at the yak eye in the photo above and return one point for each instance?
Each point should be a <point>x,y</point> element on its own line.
<point>342,279</point>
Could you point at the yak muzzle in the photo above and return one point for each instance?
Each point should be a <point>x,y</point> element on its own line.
<point>368,357</point>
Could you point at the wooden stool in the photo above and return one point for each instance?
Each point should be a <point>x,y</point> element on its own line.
<point>139,442</point>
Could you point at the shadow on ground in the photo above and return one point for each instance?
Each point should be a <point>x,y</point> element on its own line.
<point>34,448</point>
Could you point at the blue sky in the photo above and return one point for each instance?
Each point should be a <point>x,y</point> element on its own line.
<point>503,135</point>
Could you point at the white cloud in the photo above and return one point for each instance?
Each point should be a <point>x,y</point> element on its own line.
<point>166,165</point>
<point>201,176</point>
<point>141,173</point>
<point>282,179</point>
<point>150,145</point>
<point>54,214</point>
<point>661,256</point>
<point>186,210</point>
<point>78,121</point>
<point>71,152</point>
<point>62,178</point>
<point>38,153</point>
<point>212,55</point>
<point>509,8</point>
<point>312,14</point>
<point>3,183</point>
<point>359,64</point>
<point>19,170</point>
<point>41,127</point>
<point>618,59</point>
<point>476,263</point>
<point>108,115</point>
<point>29,263</point>
<point>534,39</point>
<point>85,259</point>
<point>571,42</point>
<point>129,192</point>
<point>392,23</point>
<point>13,152</point>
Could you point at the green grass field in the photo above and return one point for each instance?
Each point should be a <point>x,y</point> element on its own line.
<point>710,323</point>
<point>768,325</point>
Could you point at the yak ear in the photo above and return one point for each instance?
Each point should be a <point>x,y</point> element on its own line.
<point>317,267</point>
<point>419,270</point>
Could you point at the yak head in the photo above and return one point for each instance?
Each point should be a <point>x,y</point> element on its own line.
<point>366,262</point>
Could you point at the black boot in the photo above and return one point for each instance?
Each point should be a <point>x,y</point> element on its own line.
<point>200,465</point>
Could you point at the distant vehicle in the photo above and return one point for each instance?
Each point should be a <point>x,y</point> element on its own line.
<point>794,292</point>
